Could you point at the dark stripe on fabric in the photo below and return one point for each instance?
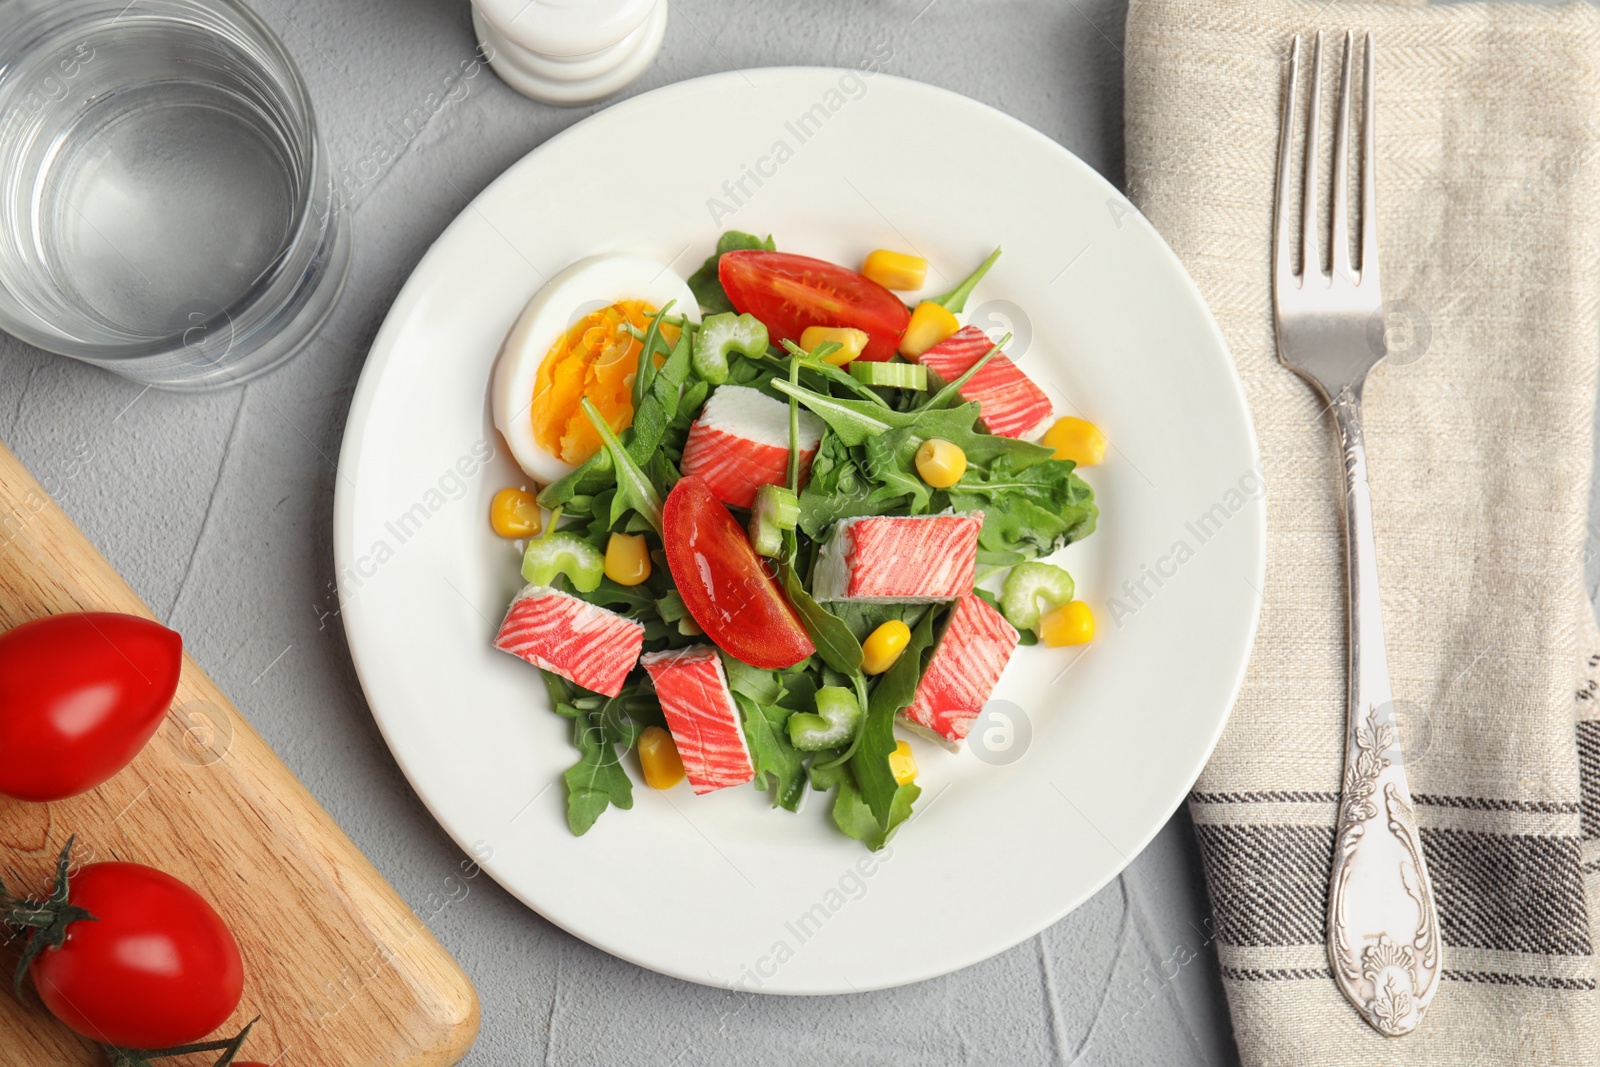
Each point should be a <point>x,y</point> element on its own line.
<point>1297,974</point>
<point>1589,775</point>
<point>1507,892</point>
<point>1290,974</point>
<point>1538,807</point>
<point>1273,797</point>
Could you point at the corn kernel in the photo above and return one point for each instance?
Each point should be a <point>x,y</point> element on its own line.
<point>903,764</point>
<point>514,513</point>
<point>850,340</point>
<point>1070,624</point>
<point>627,559</point>
<point>884,645</point>
<point>941,463</point>
<point>930,323</point>
<point>895,270</point>
<point>1076,439</point>
<point>659,759</point>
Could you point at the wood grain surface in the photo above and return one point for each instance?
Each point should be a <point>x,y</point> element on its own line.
<point>340,970</point>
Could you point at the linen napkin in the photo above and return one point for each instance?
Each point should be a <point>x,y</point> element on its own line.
<point>1479,436</point>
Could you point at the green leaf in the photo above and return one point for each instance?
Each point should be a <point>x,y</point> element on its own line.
<point>896,688</point>
<point>771,752</point>
<point>704,283</point>
<point>761,686</point>
<point>1032,511</point>
<point>634,489</point>
<point>854,421</point>
<point>852,815</point>
<point>838,488</point>
<point>835,643</point>
<point>956,299</point>
<point>597,781</point>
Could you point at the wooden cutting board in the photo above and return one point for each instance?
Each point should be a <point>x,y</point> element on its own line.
<point>340,970</point>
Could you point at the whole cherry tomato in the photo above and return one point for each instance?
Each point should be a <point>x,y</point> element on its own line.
<point>80,695</point>
<point>156,967</point>
<point>788,293</point>
<point>723,582</point>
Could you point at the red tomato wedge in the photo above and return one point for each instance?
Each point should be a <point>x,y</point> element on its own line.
<point>788,293</point>
<point>724,584</point>
<point>80,695</point>
<point>156,968</point>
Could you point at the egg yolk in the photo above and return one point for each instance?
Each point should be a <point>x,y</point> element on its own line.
<point>596,358</point>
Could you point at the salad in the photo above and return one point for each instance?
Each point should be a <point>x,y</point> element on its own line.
<point>760,504</point>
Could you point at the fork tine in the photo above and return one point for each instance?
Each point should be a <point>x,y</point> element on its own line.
<point>1369,174</point>
<point>1282,260</point>
<point>1339,212</point>
<point>1310,257</point>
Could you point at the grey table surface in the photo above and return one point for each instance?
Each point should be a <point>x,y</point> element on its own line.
<point>218,509</point>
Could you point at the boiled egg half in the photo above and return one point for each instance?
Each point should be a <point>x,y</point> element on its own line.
<point>571,342</point>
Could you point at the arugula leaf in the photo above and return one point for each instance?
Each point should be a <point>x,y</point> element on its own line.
<point>956,299</point>
<point>761,686</point>
<point>854,421</point>
<point>835,643</point>
<point>597,781</point>
<point>838,488</point>
<point>704,283</point>
<point>852,815</point>
<point>1032,511</point>
<point>634,490</point>
<point>770,750</point>
<point>896,688</point>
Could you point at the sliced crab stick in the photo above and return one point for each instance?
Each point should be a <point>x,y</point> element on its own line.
<point>892,558</point>
<point>740,442</point>
<point>587,645</point>
<point>1009,403</point>
<point>966,665</point>
<point>702,716</point>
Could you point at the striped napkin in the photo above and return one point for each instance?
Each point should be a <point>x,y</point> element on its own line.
<point>1479,436</point>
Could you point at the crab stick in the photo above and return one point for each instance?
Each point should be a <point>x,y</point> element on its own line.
<point>966,665</point>
<point>740,442</point>
<point>585,644</point>
<point>702,716</point>
<point>889,558</point>
<point>1009,403</point>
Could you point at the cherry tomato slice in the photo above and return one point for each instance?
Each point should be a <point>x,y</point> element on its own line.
<point>724,583</point>
<point>788,293</point>
<point>157,967</point>
<point>80,695</point>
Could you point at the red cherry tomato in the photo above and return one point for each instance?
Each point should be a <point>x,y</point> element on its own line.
<point>788,293</point>
<point>156,968</point>
<point>723,582</point>
<point>80,695</point>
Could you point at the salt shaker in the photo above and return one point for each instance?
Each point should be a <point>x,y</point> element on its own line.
<point>569,51</point>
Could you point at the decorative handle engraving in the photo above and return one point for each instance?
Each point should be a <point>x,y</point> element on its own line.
<point>1383,926</point>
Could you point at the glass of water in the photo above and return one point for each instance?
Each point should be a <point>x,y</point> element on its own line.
<point>167,210</point>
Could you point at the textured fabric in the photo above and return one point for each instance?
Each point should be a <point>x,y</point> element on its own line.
<point>1478,434</point>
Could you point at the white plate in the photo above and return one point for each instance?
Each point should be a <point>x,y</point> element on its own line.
<point>721,889</point>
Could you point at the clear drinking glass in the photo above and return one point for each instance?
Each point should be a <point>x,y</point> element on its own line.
<point>167,210</point>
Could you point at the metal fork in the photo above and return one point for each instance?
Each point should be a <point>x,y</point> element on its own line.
<point>1383,926</point>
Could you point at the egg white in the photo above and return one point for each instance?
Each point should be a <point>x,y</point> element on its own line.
<point>585,287</point>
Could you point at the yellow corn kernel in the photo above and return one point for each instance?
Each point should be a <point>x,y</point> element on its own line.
<point>930,323</point>
<point>1076,439</point>
<point>659,759</point>
<point>941,463</point>
<point>895,270</point>
<point>1070,624</point>
<point>627,559</point>
<point>514,513</point>
<point>903,764</point>
<point>884,645</point>
<point>850,340</point>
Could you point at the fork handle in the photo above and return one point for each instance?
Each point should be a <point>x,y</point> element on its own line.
<point>1383,926</point>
